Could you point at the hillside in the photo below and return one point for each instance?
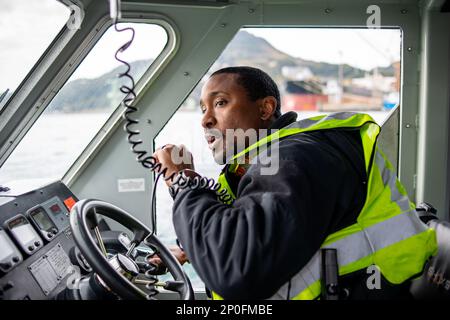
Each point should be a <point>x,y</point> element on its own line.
<point>97,93</point>
<point>245,49</point>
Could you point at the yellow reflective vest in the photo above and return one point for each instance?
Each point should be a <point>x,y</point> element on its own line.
<point>388,232</point>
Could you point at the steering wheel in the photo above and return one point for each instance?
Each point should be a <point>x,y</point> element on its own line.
<point>119,271</point>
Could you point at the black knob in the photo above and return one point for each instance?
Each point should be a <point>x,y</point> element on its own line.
<point>16,259</point>
<point>8,285</point>
<point>54,231</point>
<point>30,248</point>
<point>49,235</point>
<point>5,265</point>
<point>37,243</point>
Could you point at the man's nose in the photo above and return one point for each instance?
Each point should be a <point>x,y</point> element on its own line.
<point>208,120</point>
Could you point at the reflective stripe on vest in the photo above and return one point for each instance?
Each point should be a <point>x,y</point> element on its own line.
<point>387,233</point>
<point>222,180</point>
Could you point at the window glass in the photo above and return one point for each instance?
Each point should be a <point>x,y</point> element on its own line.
<point>81,107</point>
<point>24,37</point>
<point>318,70</point>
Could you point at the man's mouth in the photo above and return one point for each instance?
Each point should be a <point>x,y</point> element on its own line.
<point>212,139</point>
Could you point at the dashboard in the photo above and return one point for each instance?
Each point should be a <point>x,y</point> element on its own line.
<point>37,251</point>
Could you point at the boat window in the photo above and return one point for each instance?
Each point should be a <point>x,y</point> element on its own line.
<point>25,36</point>
<point>318,71</point>
<point>81,107</point>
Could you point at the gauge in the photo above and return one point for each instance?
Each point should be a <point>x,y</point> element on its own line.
<point>43,222</point>
<point>9,254</point>
<point>57,212</point>
<point>24,234</point>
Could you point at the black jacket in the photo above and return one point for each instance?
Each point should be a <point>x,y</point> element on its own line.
<point>277,223</point>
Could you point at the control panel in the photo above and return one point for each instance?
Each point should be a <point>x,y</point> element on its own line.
<point>57,211</point>
<point>36,243</point>
<point>43,222</point>
<point>10,255</point>
<point>23,232</point>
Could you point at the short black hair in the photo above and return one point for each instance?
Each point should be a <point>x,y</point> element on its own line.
<point>256,82</point>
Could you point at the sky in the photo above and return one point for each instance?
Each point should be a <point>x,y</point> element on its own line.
<point>148,43</point>
<point>27,29</point>
<point>362,48</point>
<point>29,26</point>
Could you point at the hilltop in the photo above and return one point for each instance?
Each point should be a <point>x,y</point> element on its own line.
<point>245,49</point>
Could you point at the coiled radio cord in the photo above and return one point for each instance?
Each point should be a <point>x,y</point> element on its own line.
<point>179,181</point>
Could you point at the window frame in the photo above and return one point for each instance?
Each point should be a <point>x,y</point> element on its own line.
<point>17,102</point>
<point>389,114</point>
<point>60,36</point>
<point>149,76</point>
<point>61,78</point>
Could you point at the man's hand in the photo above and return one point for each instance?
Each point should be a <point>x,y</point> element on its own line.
<point>174,159</point>
<point>176,251</point>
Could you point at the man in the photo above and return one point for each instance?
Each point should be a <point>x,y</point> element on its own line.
<point>264,243</point>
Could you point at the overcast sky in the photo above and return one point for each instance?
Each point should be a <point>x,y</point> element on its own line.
<point>362,48</point>
<point>148,43</point>
<point>29,26</point>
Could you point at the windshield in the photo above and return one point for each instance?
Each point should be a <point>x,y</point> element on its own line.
<point>27,29</point>
<point>81,108</point>
<point>339,70</point>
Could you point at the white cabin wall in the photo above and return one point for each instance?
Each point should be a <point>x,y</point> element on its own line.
<point>434,117</point>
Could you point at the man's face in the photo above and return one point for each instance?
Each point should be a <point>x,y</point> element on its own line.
<point>225,105</point>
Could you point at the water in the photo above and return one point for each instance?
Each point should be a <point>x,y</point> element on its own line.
<point>51,146</point>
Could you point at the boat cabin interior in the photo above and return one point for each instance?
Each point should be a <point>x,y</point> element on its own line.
<point>90,89</point>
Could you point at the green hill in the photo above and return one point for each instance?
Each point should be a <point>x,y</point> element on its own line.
<point>103,93</point>
<point>247,49</point>
<point>96,94</point>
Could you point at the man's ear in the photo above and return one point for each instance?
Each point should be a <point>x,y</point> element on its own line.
<point>267,108</point>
